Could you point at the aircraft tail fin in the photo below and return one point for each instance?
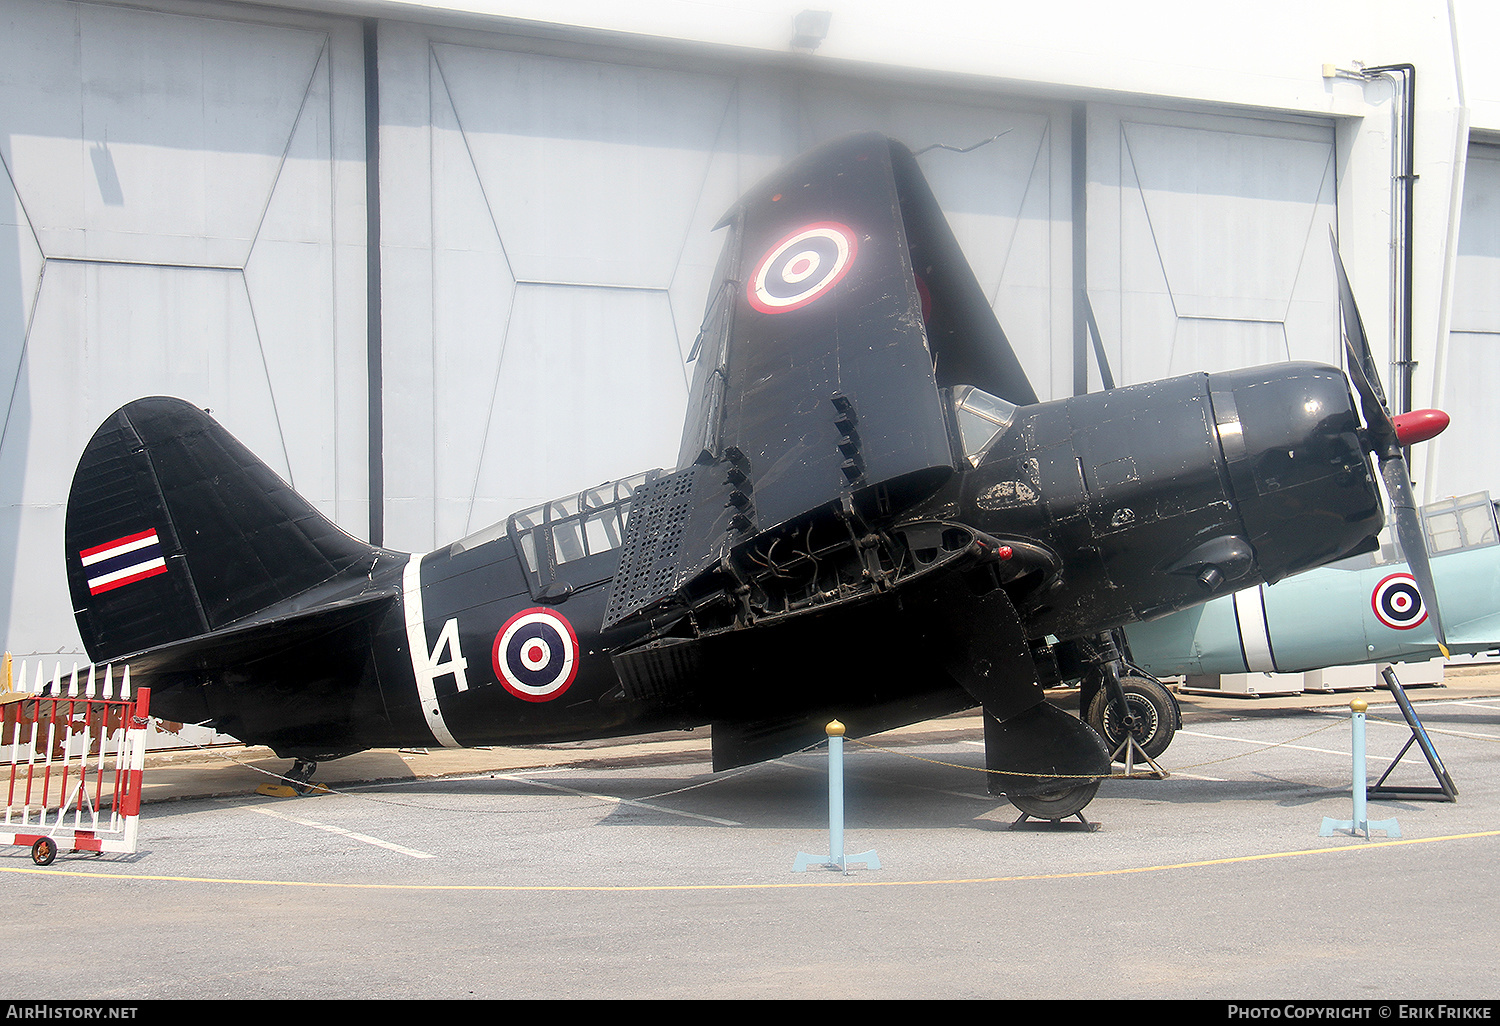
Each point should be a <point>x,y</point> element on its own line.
<point>175,529</point>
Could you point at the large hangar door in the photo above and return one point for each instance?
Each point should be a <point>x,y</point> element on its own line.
<point>1208,241</point>
<point>1465,452</point>
<point>1002,177</point>
<point>547,248</point>
<point>181,212</point>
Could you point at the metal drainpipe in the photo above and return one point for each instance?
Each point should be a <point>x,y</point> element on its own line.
<point>1403,366</point>
<point>374,361</point>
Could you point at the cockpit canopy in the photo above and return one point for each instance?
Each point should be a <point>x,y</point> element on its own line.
<point>981,418</point>
<point>572,539</point>
<point>568,532</point>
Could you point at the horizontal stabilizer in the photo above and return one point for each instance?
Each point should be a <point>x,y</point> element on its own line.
<point>244,645</point>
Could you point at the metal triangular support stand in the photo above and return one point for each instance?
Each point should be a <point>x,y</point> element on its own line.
<point>1066,821</point>
<point>1446,791</point>
<point>1132,748</point>
<point>1111,666</point>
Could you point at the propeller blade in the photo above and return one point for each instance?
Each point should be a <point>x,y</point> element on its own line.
<point>1362,364</point>
<point>1413,541</point>
<point>1386,441</point>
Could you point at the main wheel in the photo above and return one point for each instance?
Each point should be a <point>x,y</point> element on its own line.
<point>1055,804</point>
<point>1153,716</point>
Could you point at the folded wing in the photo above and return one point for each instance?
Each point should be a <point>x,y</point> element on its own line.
<point>842,306</point>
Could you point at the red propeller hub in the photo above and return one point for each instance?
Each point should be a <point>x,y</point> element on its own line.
<point>1419,425</point>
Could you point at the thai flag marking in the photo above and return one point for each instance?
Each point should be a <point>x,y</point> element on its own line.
<point>123,561</point>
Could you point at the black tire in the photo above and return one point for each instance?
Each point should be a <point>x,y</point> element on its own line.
<point>1055,805</point>
<point>1153,709</point>
<point>43,851</point>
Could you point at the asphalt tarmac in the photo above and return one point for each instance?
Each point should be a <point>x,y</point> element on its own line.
<point>630,870</point>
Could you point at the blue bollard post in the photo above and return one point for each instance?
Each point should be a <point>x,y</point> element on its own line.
<point>836,792</point>
<point>1360,824</point>
<point>835,858</point>
<point>1361,784</point>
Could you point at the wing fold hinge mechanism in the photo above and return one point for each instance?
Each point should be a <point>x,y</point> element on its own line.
<point>832,557</point>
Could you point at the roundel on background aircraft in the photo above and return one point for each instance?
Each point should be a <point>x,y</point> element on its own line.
<point>535,656</point>
<point>802,267</point>
<point>1397,603</point>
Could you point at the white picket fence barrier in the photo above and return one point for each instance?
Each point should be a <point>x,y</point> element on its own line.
<point>71,758</point>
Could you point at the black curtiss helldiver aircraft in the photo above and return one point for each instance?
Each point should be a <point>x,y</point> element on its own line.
<point>872,517</point>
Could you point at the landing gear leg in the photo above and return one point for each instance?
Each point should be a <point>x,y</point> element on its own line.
<point>1150,720</point>
<point>1135,715</point>
<point>300,775</point>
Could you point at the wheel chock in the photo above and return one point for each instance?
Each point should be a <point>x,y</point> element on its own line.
<point>277,790</point>
<point>290,791</point>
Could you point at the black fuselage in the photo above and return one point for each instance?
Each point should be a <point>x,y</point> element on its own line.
<point>1159,496</point>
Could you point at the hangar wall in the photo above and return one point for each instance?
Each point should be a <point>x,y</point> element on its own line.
<point>547,229</point>
<point>549,247</point>
<point>189,212</point>
<point>181,212</point>
<point>1472,355</point>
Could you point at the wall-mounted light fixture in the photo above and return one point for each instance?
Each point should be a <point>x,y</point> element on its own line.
<point>809,29</point>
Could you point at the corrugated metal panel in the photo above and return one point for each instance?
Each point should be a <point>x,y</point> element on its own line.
<point>564,193</point>
<point>548,249</point>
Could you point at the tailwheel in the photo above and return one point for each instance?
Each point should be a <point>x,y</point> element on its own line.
<point>1150,716</point>
<point>300,775</point>
<point>297,781</point>
<point>1055,805</point>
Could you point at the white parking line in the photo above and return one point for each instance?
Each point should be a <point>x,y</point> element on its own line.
<point>992,799</point>
<point>1264,744</point>
<point>1387,716</point>
<point>612,799</point>
<point>365,838</point>
<point>1175,773</point>
<point>1472,735</point>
